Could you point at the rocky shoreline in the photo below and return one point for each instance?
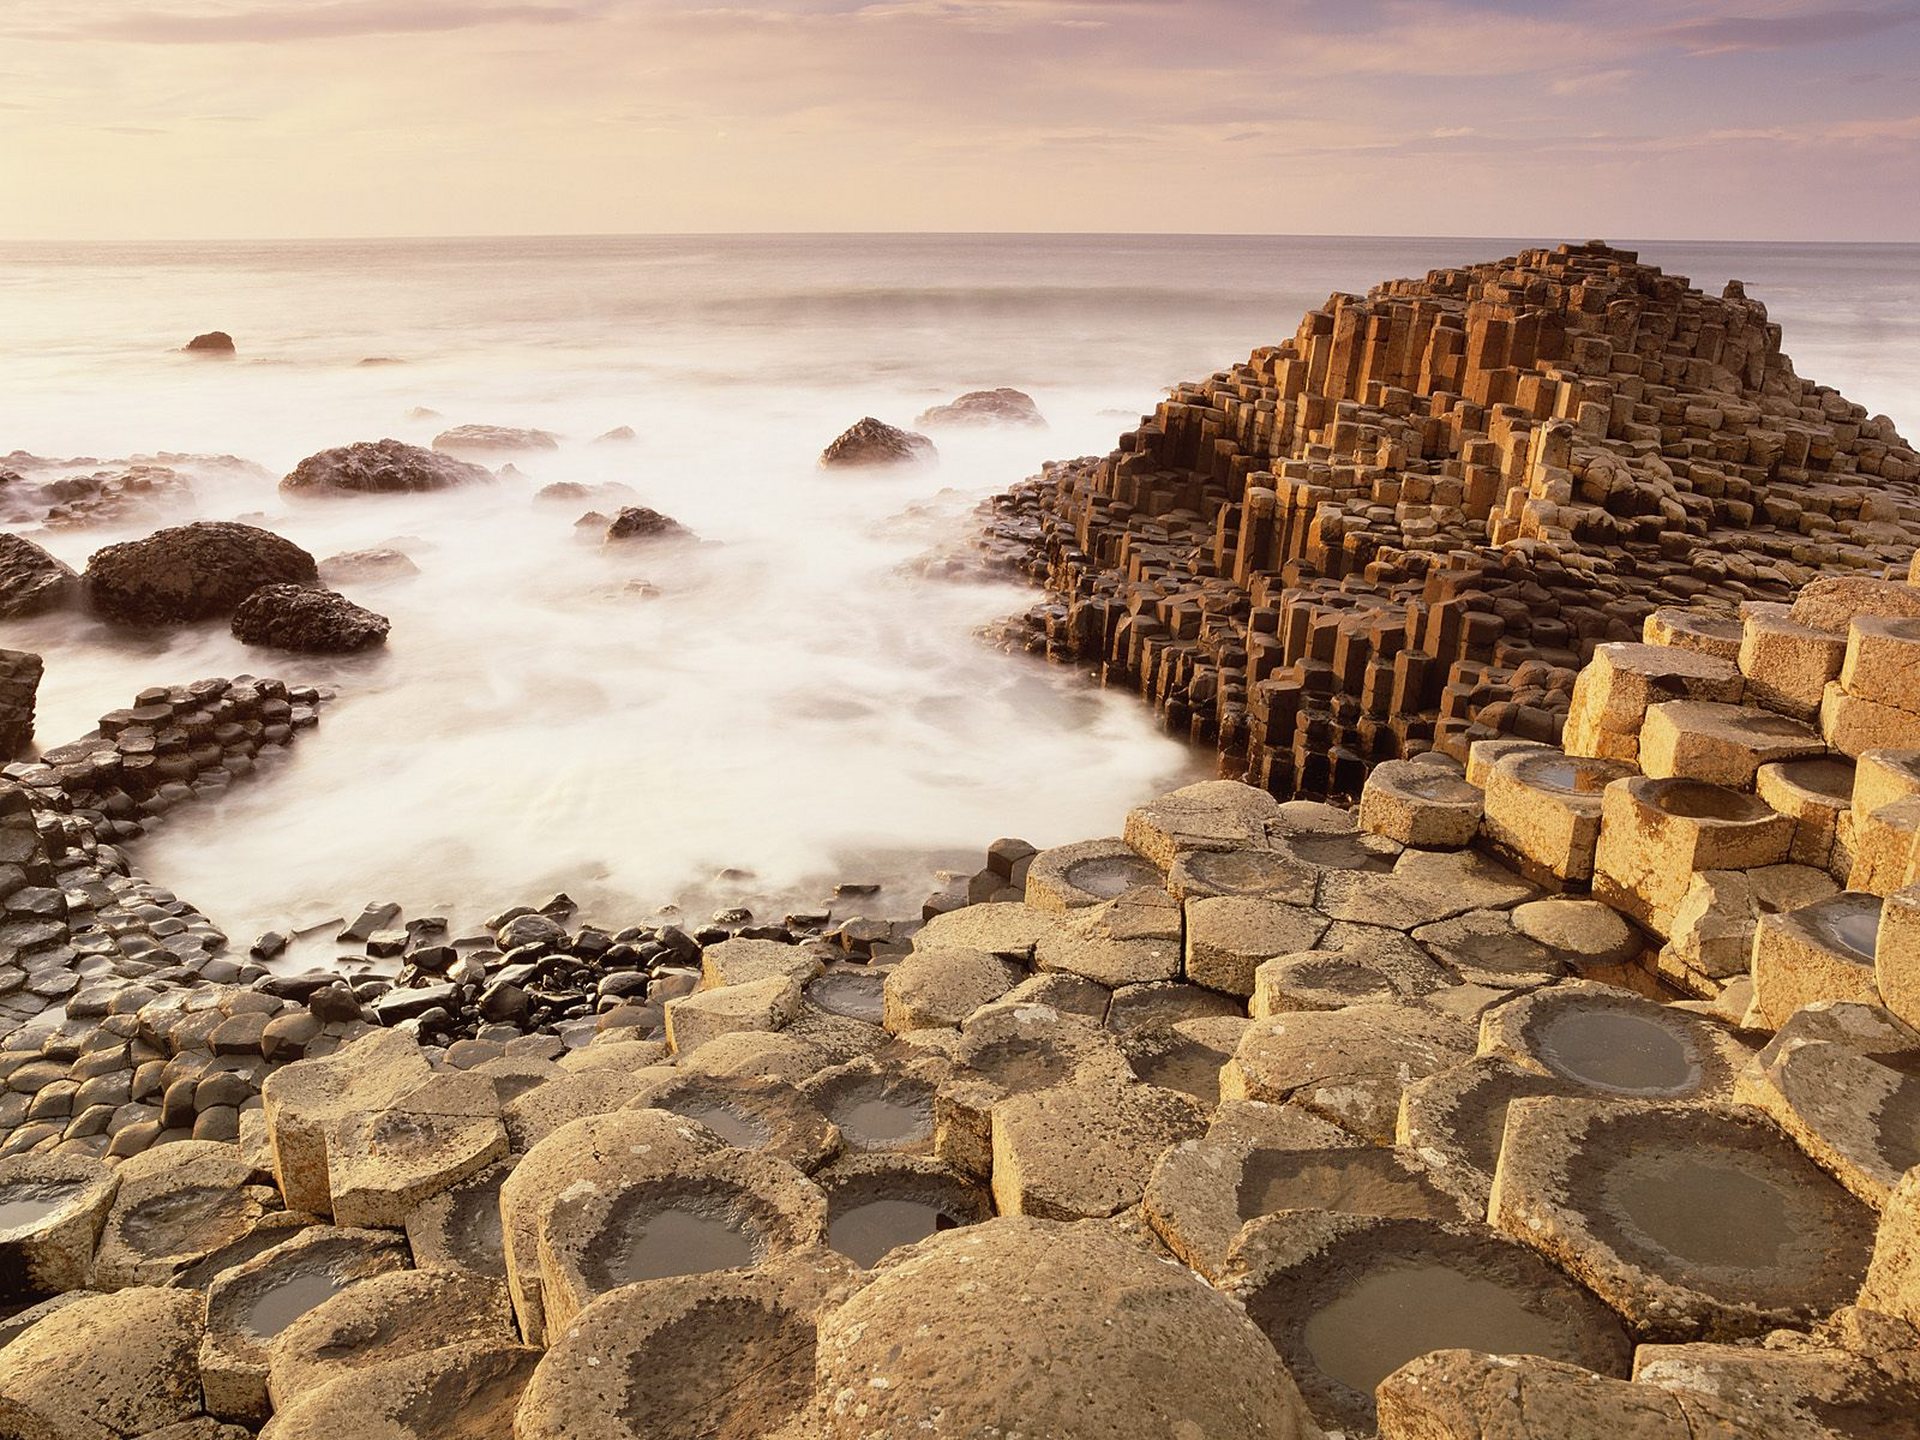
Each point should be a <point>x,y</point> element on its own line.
<point>1560,1080</point>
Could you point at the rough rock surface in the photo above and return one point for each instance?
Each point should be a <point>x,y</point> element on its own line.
<point>1002,406</point>
<point>32,581</point>
<point>380,467</point>
<point>874,442</point>
<point>192,572</point>
<point>306,618</point>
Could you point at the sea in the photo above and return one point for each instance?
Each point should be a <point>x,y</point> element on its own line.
<point>791,704</point>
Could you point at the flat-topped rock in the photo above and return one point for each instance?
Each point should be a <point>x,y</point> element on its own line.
<point>52,1208</point>
<point>1084,1151</point>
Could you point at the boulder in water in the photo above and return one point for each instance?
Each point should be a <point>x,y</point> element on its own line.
<point>874,442</point>
<point>637,522</point>
<point>610,492</point>
<point>486,438</point>
<point>380,467</point>
<point>191,572</point>
<point>307,618</point>
<point>381,563</point>
<point>1005,406</point>
<point>214,342</point>
<point>32,582</point>
<point>614,436</point>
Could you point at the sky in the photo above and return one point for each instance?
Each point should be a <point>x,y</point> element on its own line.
<point>1712,119</point>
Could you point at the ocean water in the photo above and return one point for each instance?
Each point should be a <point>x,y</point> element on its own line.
<point>795,703</point>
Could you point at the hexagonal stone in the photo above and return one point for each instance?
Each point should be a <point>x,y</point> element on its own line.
<point>1349,1066</point>
<point>878,1203</point>
<point>1128,941</point>
<point>1084,1151</point>
<point>382,1163</point>
<point>304,1099</point>
<point>726,1356</point>
<point>1616,1042</point>
<point>475,1385</point>
<point>249,1305</point>
<point>943,987</point>
<point>750,1113</point>
<point>104,1366</point>
<point>51,1209</point>
<point>1694,1222</point>
<point>760,1005</point>
<point>1348,1299</point>
<point>1258,874</point>
<point>176,1205</point>
<point>1090,872</point>
<point>727,1211</point>
<point>382,1318</point>
<point>1229,937</point>
<point>1420,802</point>
<point>1011,1327</point>
<point>1212,815</point>
<point>739,962</point>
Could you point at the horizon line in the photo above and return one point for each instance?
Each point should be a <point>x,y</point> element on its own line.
<point>1623,242</point>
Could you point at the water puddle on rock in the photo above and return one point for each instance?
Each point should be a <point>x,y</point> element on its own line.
<point>273,1310</point>
<point>675,1240</point>
<point>1187,1066</point>
<point>1243,871</point>
<point>884,1121</point>
<point>25,1205</point>
<point>1846,922</point>
<point>1338,852</point>
<point>850,994</point>
<point>1111,876</point>
<point>1395,1313</point>
<point>1617,1050</point>
<point>865,1231</point>
<point>738,1127</point>
<point>473,1230</point>
<point>1704,1210</point>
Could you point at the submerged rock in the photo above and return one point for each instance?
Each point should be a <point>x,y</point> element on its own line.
<point>380,467</point>
<point>139,493</point>
<point>214,342</point>
<point>1004,406</point>
<point>615,435</point>
<point>874,442</point>
<point>191,572</point>
<point>494,437</point>
<point>367,565</point>
<point>300,617</point>
<point>637,522</point>
<point>32,581</point>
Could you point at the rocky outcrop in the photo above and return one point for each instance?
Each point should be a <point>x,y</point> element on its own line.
<point>308,619</point>
<point>31,580</point>
<point>192,572</point>
<point>637,522</point>
<point>139,494</point>
<point>214,342</point>
<point>367,566</point>
<point>872,442</point>
<point>1406,527</point>
<point>484,439</point>
<point>380,467</point>
<point>1004,406</point>
<point>20,672</point>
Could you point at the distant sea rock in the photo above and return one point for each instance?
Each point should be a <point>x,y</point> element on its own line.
<point>1004,406</point>
<point>484,439</point>
<point>140,494</point>
<point>191,572</point>
<point>606,492</point>
<point>874,442</point>
<point>615,436</point>
<point>307,619</point>
<point>380,467</point>
<point>367,565</point>
<point>421,412</point>
<point>637,522</point>
<point>214,342</point>
<point>32,581</point>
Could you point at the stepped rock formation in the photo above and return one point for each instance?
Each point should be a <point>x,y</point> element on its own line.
<point>1406,527</point>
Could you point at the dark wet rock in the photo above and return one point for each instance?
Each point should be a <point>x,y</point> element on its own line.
<point>486,438</point>
<point>299,617</point>
<point>367,566</point>
<point>637,522</point>
<point>191,572</point>
<point>214,342</point>
<point>380,467</point>
<point>31,580</point>
<point>874,442</point>
<point>20,672</point>
<point>1004,406</point>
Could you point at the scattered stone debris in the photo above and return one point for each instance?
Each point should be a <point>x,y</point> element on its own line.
<point>871,442</point>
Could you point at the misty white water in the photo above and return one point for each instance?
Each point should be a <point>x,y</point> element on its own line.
<point>794,703</point>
